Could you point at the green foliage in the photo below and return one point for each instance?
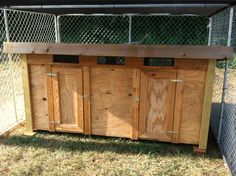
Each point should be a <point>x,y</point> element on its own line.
<point>171,30</point>
<point>232,63</point>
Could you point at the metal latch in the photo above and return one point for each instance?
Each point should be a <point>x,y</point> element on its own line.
<point>176,80</point>
<point>53,122</point>
<point>85,96</point>
<point>51,74</point>
<point>136,98</point>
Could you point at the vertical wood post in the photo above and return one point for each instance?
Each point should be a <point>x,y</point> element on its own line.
<point>135,103</point>
<point>87,101</point>
<point>27,95</point>
<point>207,100</point>
<point>51,124</point>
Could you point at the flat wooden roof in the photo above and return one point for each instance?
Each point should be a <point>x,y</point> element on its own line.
<point>163,51</point>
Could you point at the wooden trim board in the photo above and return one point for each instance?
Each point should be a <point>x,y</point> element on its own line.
<point>87,100</point>
<point>206,110</point>
<point>27,95</point>
<point>135,104</point>
<point>164,51</point>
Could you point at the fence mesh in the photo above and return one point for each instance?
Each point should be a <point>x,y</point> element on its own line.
<point>227,138</point>
<point>22,27</point>
<point>137,29</point>
<point>94,29</point>
<point>7,110</point>
<point>172,30</point>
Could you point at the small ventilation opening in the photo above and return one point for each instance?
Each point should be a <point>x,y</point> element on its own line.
<point>152,61</point>
<point>72,59</point>
<point>111,60</point>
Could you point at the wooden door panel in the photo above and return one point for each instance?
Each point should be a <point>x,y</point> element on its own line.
<point>157,104</point>
<point>67,98</point>
<point>188,108</point>
<point>111,101</point>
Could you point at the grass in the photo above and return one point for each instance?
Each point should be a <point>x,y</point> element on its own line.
<point>72,154</point>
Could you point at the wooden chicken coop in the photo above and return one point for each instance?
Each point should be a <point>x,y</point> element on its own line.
<point>150,92</point>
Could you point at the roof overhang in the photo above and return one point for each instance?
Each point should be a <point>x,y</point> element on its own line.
<point>197,7</point>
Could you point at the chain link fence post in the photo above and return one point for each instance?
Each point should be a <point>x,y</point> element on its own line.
<point>130,29</point>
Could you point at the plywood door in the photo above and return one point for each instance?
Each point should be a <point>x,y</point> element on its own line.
<point>67,99</point>
<point>157,95</point>
<point>111,101</point>
<point>188,108</point>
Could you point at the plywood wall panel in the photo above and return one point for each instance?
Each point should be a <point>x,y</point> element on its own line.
<point>37,74</point>
<point>111,101</point>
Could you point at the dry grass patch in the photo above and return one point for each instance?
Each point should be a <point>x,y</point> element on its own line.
<point>73,154</point>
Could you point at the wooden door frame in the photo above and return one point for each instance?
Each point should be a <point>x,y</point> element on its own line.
<point>142,111</point>
<point>79,123</point>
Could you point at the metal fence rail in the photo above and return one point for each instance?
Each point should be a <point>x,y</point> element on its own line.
<point>18,26</point>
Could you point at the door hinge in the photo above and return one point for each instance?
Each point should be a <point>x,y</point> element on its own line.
<point>176,80</point>
<point>85,96</point>
<point>51,74</point>
<point>172,132</point>
<point>52,122</point>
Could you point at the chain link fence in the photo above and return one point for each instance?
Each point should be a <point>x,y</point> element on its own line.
<point>135,29</point>
<point>223,119</point>
<point>18,26</point>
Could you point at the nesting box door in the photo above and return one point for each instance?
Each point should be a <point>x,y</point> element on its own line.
<point>67,92</point>
<point>157,94</point>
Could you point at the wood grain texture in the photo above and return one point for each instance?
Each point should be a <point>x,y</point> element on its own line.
<point>68,100</point>
<point>206,108</point>
<point>177,111</point>
<point>177,51</point>
<point>190,110</point>
<point>111,101</point>
<point>38,84</point>
<point>51,124</point>
<point>136,100</point>
<point>156,112</point>
<point>39,59</point>
<point>191,64</point>
<point>27,95</point>
<point>87,100</point>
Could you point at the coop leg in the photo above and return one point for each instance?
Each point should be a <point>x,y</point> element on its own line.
<point>199,151</point>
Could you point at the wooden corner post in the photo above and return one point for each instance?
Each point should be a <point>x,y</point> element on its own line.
<point>207,100</point>
<point>27,96</point>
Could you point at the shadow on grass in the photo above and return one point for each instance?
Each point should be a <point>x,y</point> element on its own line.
<point>81,143</point>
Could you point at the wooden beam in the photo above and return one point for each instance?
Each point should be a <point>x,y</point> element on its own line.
<point>51,123</point>
<point>87,101</point>
<point>163,51</point>
<point>135,103</point>
<point>177,110</point>
<point>27,95</point>
<point>207,100</point>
